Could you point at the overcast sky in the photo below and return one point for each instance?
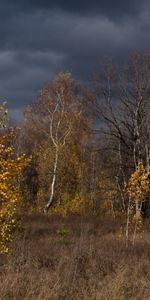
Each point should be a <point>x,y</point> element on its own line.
<point>39,38</point>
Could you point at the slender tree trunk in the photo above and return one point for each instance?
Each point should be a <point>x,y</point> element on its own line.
<point>49,203</point>
<point>147,158</point>
<point>137,217</point>
<point>121,193</point>
<point>112,206</point>
<point>135,230</point>
<point>127,223</point>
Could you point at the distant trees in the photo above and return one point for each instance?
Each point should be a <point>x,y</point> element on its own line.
<point>86,145</point>
<point>90,148</point>
<point>120,105</point>
<point>66,167</point>
<point>121,101</point>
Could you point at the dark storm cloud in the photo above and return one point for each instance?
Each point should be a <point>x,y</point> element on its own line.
<point>42,38</point>
<point>113,9</point>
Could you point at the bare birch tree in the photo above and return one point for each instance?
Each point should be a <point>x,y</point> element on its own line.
<point>121,101</point>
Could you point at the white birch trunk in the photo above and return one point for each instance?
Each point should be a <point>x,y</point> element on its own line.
<point>49,203</point>
<point>128,222</point>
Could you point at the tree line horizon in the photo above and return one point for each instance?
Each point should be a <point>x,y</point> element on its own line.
<point>80,149</point>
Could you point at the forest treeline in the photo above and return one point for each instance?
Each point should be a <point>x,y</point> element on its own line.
<point>80,149</point>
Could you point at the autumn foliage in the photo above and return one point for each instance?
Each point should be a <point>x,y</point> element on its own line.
<point>138,188</point>
<point>11,167</point>
<point>89,147</point>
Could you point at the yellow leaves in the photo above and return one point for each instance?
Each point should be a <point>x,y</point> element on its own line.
<point>138,185</point>
<point>10,172</point>
<point>137,189</point>
<point>67,205</point>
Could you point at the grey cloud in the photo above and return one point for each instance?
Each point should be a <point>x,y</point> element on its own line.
<point>62,33</point>
<point>116,9</point>
<point>15,114</point>
<point>31,72</point>
<point>40,39</point>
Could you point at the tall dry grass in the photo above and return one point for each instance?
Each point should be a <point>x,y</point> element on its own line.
<point>75,258</point>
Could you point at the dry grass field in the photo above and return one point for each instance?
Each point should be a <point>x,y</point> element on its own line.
<point>75,258</point>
